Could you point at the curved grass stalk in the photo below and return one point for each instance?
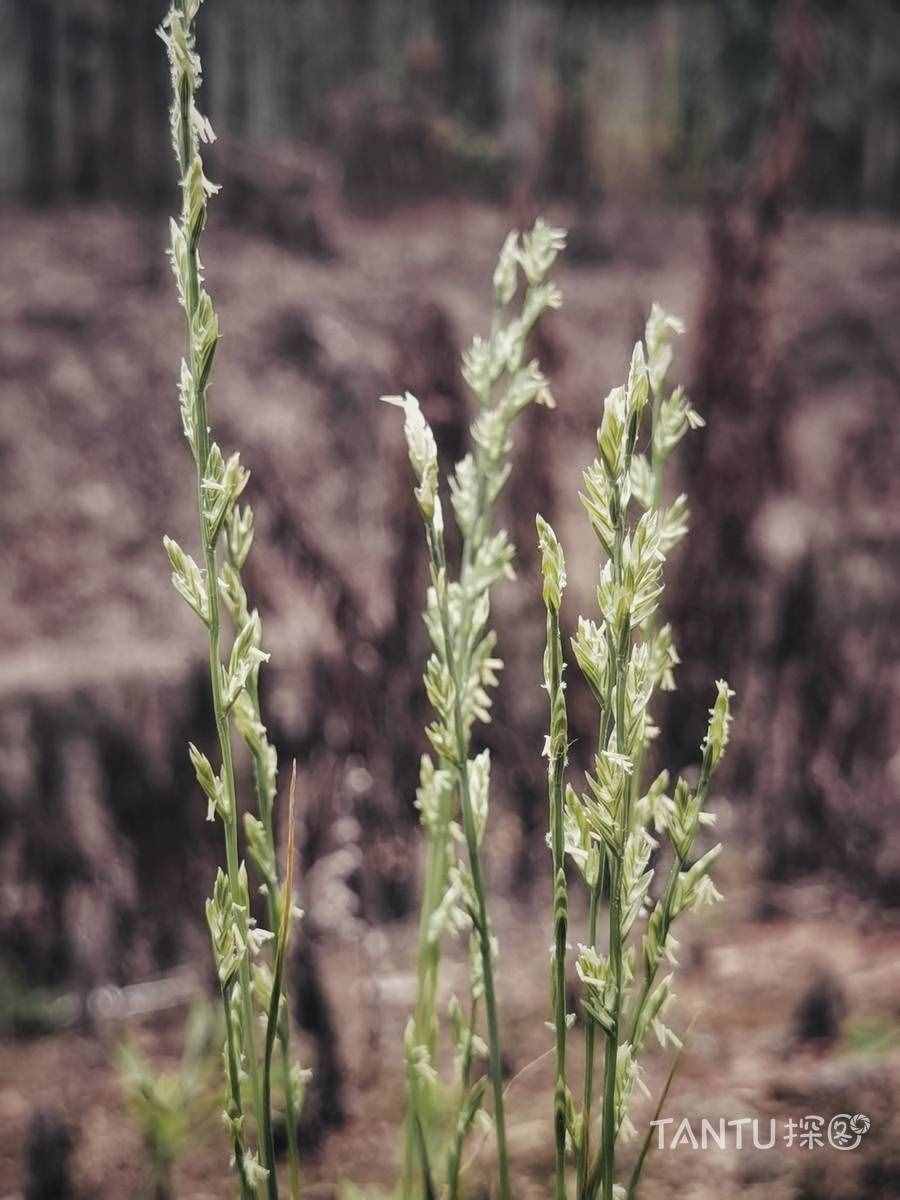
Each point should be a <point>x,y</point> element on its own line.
<point>637,1169</point>
<point>273,1023</point>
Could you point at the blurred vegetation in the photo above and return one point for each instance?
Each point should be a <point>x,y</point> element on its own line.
<point>27,1011</point>
<point>168,1105</point>
<point>656,95</point>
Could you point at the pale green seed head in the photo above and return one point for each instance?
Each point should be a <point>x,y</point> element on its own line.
<point>553,564</point>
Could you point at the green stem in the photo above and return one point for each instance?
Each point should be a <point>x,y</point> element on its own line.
<point>590,1035</point>
<point>454,1161</point>
<point>490,999</point>
<point>590,1032</point>
<point>437,862</point>
<point>235,1088</point>
<point>556,783</point>
<point>265,802</point>
<point>428,957</point>
<point>633,1182</point>
<point>231,829</point>
<point>409,1145</point>
<point>480,916</point>
<point>266,1136</point>
<point>608,1128</point>
<point>608,1133</point>
<point>650,976</point>
<point>284,1041</point>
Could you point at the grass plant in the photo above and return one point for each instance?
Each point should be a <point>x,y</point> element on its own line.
<point>250,989</point>
<point>624,657</point>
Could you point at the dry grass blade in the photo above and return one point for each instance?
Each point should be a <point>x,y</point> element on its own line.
<point>663,1096</point>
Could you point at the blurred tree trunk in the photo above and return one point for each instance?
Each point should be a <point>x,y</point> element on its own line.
<point>464,29</point>
<point>881,135</point>
<point>125,44</point>
<point>737,460</point>
<point>84,61</point>
<point>237,72</point>
<point>523,68</point>
<point>39,19</point>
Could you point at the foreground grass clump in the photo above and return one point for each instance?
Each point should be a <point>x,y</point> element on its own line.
<point>606,831</point>
<point>252,989</point>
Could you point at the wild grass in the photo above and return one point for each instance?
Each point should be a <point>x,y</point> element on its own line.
<point>615,831</point>
<point>252,991</point>
<point>604,832</point>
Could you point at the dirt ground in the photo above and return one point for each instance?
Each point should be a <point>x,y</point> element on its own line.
<point>94,474</point>
<point>742,984</point>
<point>88,420</point>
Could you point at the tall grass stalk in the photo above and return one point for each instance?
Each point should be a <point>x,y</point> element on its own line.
<point>557,747</point>
<point>623,658</point>
<point>461,668</point>
<point>234,684</point>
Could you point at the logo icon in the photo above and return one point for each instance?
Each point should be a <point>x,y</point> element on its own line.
<point>845,1132</point>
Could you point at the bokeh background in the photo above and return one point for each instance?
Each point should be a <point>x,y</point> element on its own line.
<point>737,160</point>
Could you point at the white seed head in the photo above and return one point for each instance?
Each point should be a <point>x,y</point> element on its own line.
<point>422,451</point>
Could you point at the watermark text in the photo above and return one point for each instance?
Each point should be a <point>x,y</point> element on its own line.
<point>843,1131</point>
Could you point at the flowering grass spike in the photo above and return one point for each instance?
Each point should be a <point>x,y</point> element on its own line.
<point>251,993</point>
<point>454,786</point>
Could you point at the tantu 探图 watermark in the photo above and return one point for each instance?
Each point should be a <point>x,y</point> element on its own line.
<point>843,1131</point>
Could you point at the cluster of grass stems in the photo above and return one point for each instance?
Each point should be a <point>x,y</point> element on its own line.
<point>609,833</point>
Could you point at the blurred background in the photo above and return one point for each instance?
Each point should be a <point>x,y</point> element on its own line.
<point>736,160</point>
